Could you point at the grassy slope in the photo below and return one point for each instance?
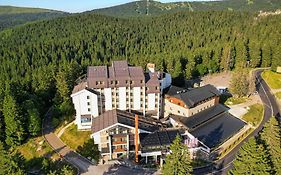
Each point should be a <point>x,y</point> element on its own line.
<point>12,16</point>
<point>254,115</point>
<point>21,10</point>
<point>278,95</point>
<point>273,79</point>
<point>155,8</point>
<point>74,138</point>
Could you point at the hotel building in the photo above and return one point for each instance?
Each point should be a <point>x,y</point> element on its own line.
<point>120,87</point>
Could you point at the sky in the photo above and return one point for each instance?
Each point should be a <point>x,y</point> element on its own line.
<point>72,5</point>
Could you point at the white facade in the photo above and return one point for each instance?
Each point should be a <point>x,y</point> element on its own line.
<point>151,101</point>
<point>108,98</point>
<point>85,103</point>
<point>122,98</point>
<point>137,98</point>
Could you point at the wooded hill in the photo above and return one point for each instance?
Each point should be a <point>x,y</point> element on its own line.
<point>12,16</point>
<point>41,61</point>
<point>152,8</point>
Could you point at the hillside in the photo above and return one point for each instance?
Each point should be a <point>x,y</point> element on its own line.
<point>40,61</point>
<point>142,8</point>
<point>12,16</point>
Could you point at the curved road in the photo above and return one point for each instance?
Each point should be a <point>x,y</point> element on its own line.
<point>270,109</point>
<point>81,163</point>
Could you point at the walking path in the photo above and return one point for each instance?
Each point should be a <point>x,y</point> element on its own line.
<point>64,128</point>
<point>81,163</point>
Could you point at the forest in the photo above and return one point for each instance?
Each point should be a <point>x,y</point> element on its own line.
<point>41,61</point>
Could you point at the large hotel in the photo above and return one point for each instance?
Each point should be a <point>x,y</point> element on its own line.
<point>122,105</point>
<point>120,87</point>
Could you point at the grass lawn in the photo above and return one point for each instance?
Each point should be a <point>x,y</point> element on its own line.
<point>36,147</point>
<point>278,95</point>
<point>34,151</point>
<point>235,101</point>
<point>254,115</point>
<point>74,138</point>
<point>273,79</point>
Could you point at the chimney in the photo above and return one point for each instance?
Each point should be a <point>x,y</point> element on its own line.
<point>151,67</point>
<point>137,138</point>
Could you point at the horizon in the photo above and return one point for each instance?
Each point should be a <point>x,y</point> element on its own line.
<point>76,6</point>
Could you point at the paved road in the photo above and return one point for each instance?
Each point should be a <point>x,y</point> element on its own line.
<point>270,109</point>
<point>72,157</point>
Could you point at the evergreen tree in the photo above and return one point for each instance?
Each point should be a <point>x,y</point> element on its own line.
<point>251,159</point>
<point>271,135</point>
<point>2,130</point>
<point>239,85</point>
<point>34,120</point>
<point>178,162</point>
<point>13,124</point>
<point>89,149</point>
<point>8,164</point>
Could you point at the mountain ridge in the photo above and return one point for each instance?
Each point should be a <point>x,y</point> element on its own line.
<point>152,8</point>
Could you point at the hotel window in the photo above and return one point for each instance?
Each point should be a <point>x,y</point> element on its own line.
<point>141,81</point>
<point>85,120</point>
<point>88,97</point>
<point>88,103</point>
<point>89,109</point>
<point>111,82</point>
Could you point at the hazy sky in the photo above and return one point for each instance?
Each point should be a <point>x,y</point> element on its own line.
<point>72,5</point>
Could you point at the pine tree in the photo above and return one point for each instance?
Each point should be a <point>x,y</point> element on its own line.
<point>251,159</point>
<point>33,116</point>
<point>271,135</point>
<point>90,149</point>
<point>178,162</point>
<point>13,124</point>
<point>8,164</point>
<point>239,85</point>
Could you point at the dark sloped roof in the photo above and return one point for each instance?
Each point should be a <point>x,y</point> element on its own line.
<point>201,117</point>
<point>191,97</point>
<point>159,138</point>
<point>112,117</point>
<point>218,130</point>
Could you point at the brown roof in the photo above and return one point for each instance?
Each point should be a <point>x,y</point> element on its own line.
<point>112,117</point>
<point>97,72</point>
<point>101,76</point>
<point>79,87</point>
